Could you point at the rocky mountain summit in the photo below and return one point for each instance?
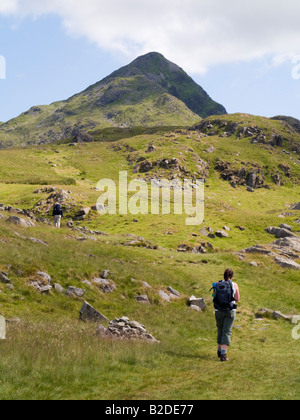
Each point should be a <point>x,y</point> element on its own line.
<point>149,92</point>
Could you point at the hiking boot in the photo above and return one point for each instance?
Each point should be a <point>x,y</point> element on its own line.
<point>224,358</point>
<point>219,354</point>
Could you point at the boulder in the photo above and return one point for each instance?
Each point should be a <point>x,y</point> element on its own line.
<point>280,232</point>
<point>105,285</point>
<point>145,166</point>
<point>2,328</point>
<point>269,313</point>
<point>221,234</point>
<point>20,221</point>
<point>295,206</point>
<point>45,276</point>
<point>75,292</point>
<point>199,302</point>
<point>142,299</point>
<point>58,288</point>
<point>88,313</point>
<point>82,213</point>
<point>151,148</point>
<point>286,262</point>
<point>4,278</point>
<point>292,243</point>
<point>195,308</point>
<point>164,296</point>
<point>251,180</point>
<point>285,226</point>
<point>173,291</point>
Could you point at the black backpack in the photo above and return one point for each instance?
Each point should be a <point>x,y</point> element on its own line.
<point>224,296</point>
<point>57,211</point>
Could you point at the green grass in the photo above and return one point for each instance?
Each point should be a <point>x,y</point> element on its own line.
<point>53,361</point>
<point>49,354</point>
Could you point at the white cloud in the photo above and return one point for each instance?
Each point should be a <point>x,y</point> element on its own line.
<point>197,34</point>
<point>8,6</point>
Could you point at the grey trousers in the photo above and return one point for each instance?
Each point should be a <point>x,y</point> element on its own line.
<point>225,322</point>
<point>57,220</point>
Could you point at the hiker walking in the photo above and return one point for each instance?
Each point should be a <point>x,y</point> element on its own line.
<point>226,295</point>
<point>57,215</point>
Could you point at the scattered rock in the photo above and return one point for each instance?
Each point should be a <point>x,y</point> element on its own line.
<point>164,296</point>
<point>20,221</point>
<point>81,214</point>
<point>151,148</point>
<point>173,291</point>
<point>199,302</point>
<point>4,278</point>
<point>195,308</point>
<point>203,232</point>
<point>105,285</point>
<point>286,262</point>
<point>41,282</point>
<point>142,299</point>
<point>289,243</point>
<point>124,329</point>
<point>222,234</point>
<point>253,264</point>
<point>295,206</point>
<point>269,313</point>
<point>198,249</point>
<point>75,292</point>
<point>280,232</point>
<point>58,288</point>
<point>37,241</point>
<point>258,249</point>
<point>45,276</point>
<point>285,226</point>
<point>105,274</point>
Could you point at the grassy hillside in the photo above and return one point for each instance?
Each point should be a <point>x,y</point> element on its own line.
<point>50,354</point>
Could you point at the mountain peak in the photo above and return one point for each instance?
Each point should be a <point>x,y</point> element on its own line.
<point>149,92</point>
<point>155,67</point>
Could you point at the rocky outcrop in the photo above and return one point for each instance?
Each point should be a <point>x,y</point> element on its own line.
<point>251,177</point>
<point>82,137</point>
<point>285,250</point>
<point>223,128</point>
<point>58,195</point>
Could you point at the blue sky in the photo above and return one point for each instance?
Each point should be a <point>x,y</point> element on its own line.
<point>245,57</point>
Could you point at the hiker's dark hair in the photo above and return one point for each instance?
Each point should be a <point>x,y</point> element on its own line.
<point>228,274</point>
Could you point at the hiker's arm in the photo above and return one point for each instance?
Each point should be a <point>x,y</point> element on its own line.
<point>237,293</point>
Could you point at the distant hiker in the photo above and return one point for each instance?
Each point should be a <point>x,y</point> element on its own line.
<point>226,295</point>
<point>57,215</point>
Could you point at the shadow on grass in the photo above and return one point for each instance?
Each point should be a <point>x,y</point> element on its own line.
<point>185,355</point>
